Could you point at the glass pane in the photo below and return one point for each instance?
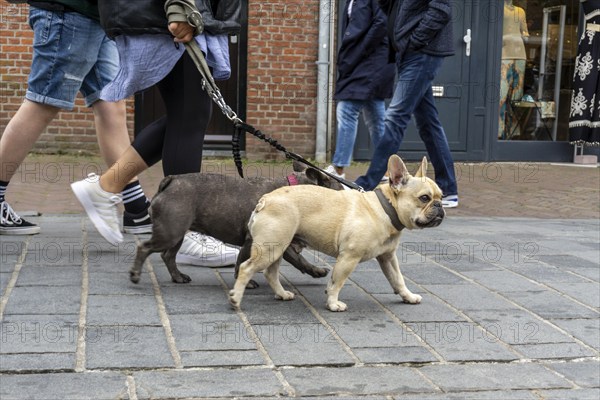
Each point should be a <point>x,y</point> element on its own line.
<point>539,47</point>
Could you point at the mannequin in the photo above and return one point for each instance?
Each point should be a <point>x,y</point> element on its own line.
<point>584,119</point>
<point>513,65</point>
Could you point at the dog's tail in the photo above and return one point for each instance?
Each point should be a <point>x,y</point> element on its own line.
<point>164,183</point>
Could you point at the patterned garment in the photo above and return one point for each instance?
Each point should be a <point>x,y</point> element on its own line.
<point>512,78</point>
<point>584,121</point>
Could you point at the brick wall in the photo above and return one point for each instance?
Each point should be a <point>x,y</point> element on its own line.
<point>281,90</point>
<point>282,74</point>
<point>72,131</point>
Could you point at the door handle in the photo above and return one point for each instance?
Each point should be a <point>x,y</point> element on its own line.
<point>467,40</point>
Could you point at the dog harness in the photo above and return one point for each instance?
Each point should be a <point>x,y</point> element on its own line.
<point>292,180</point>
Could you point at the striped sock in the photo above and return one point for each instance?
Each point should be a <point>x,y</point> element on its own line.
<point>134,199</point>
<point>3,186</point>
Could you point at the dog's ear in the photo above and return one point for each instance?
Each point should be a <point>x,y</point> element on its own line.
<point>397,171</point>
<point>315,176</point>
<point>319,178</point>
<point>422,171</point>
<point>298,166</point>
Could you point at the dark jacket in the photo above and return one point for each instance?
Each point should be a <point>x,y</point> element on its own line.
<point>363,71</point>
<point>133,17</point>
<point>89,8</point>
<point>420,25</point>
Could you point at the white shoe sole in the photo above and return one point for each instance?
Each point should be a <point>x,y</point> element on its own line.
<point>31,230</point>
<point>107,233</point>
<point>451,205</point>
<point>136,230</point>
<point>227,260</point>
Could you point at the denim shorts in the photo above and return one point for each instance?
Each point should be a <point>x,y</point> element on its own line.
<point>71,53</point>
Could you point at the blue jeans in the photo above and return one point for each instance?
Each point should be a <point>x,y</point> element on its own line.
<point>413,95</point>
<point>71,53</point>
<point>347,112</point>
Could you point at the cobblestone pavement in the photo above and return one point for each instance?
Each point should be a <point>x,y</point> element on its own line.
<point>510,308</point>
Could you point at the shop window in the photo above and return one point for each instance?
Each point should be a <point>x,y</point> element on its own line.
<point>539,47</point>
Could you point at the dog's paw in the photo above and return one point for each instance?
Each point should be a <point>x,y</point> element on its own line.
<point>337,306</point>
<point>134,276</point>
<point>412,298</point>
<point>285,296</point>
<point>318,272</point>
<point>182,278</point>
<point>234,300</point>
<point>252,284</point>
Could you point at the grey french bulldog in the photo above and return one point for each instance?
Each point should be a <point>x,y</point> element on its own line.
<point>219,206</point>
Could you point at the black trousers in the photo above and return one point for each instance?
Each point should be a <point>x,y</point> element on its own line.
<point>178,137</point>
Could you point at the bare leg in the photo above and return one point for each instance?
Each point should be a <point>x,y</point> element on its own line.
<point>111,128</point>
<point>391,269</point>
<point>21,133</point>
<point>129,165</point>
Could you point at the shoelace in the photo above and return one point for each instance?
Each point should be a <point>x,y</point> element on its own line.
<point>198,241</point>
<point>8,215</point>
<point>115,199</point>
<point>197,237</point>
<point>106,210</point>
<point>203,243</point>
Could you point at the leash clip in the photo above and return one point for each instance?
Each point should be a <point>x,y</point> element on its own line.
<point>195,19</point>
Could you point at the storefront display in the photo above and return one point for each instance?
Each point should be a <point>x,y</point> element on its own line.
<point>539,47</point>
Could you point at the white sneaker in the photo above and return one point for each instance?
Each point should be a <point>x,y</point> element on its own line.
<point>332,171</point>
<point>100,206</point>
<point>450,201</point>
<point>205,251</point>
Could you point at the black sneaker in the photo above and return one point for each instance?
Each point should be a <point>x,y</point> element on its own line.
<point>12,224</point>
<point>137,223</point>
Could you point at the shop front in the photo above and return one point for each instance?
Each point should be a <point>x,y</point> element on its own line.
<point>506,95</point>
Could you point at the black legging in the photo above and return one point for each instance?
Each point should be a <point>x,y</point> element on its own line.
<point>178,137</point>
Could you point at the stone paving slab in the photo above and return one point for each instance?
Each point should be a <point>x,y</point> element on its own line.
<point>519,327</point>
<point>483,377</point>
<point>71,386</point>
<point>569,394</point>
<point>501,318</point>
<point>478,395</point>
<point>586,330</point>
<point>360,380</point>
<point>127,346</point>
<point>216,382</point>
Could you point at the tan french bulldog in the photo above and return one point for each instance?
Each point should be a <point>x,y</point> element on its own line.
<point>349,225</point>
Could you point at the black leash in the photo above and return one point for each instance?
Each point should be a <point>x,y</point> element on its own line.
<point>186,11</point>
<point>242,127</point>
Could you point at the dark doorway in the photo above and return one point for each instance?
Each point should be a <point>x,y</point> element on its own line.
<point>452,90</point>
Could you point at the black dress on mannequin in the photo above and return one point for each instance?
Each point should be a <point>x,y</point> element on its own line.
<point>584,119</point>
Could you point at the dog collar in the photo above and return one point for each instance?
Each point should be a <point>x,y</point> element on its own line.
<point>292,180</point>
<point>389,210</point>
